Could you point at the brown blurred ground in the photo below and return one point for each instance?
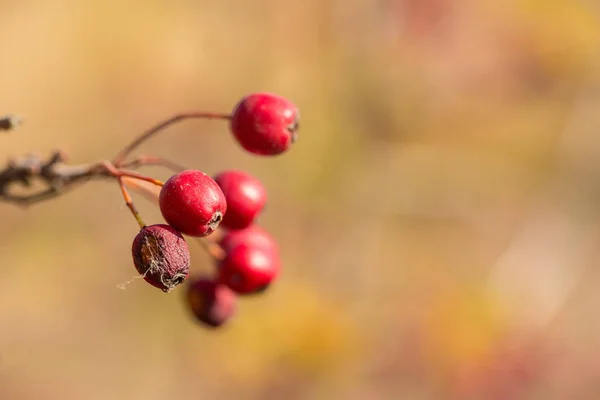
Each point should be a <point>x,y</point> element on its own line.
<point>434,133</point>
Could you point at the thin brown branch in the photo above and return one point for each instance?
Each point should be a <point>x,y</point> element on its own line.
<point>130,204</point>
<point>54,173</point>
<point>146,189</point>
<point>120,158</point>
<point>146,160</point>
<point>56,176</point>
<point>120,173</point>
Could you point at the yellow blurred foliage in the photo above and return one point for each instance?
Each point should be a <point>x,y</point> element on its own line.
<point>431,131</point>
<point>461,328</point>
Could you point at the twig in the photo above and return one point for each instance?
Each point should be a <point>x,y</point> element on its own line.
<point>120,158</point>
<point>57,176</point>
<point>60,177</point>
<point>129,203</point>
<point>145,160</point>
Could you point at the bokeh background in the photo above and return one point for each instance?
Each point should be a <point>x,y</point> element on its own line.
<point>438,217</point>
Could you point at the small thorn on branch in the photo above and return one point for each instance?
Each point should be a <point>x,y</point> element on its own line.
<point>9,122</point>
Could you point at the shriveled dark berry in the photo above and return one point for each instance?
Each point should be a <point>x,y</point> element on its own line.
<point>161,255</point>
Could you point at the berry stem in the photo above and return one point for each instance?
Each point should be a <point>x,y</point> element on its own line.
<point>147,160</point>
<point>129,203</point>
<point>120,158</point>
<point>111,170</point>
<point>145,190</point>
<point>141,177</point>
<point>212,248</point>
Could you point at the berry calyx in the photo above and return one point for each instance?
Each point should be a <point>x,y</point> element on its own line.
<point>211,303</point>
<point>249,269</point>
<point>192,203</point>
<point>161,255</point>
<point>253,235</point>
<point>265,123</point>
<point>245,195</point>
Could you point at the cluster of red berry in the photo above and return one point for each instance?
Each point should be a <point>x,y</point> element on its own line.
<point>195,204</point>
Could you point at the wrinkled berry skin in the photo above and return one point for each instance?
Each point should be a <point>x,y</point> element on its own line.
<point>192,203</point>
<point>245,195</point>
<point>253,235</point>
<point>248,269</point>
<point>161,255</point>
<point>211,303</point>
<point>265,124</point>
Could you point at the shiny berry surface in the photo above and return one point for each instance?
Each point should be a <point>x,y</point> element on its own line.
<point>265,124</point>
<point>253,235</point>
<point>249,269</point>
<point>192,203</point>
<point>245,195</point>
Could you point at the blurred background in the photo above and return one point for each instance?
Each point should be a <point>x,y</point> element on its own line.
<point>438,217</point>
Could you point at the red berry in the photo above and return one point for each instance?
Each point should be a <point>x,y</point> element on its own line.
<point>246,197</point>
<point>192,203</point>
<point>210,302</point>
<point>249,269</point>
<point>253,235</point>
<point>161,255</point>
<point>265,124</point>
